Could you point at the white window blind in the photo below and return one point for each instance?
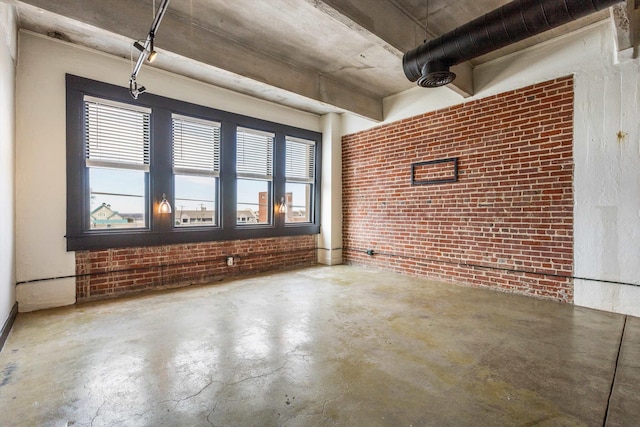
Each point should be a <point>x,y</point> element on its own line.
<point>196,146</point>
<point>117,135</point>
<point>300,160</point>
<point>254,153</point>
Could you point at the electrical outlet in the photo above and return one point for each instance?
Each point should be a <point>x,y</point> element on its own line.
<point>230,261</point>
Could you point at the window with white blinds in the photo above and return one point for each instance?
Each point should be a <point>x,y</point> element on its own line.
<point>226,176</point>
<point>116,134</point>
<point>254,154</point>
<point>300,160</point>
<point>300,165</point>
<point>196,168</point>
<point>196,146</point>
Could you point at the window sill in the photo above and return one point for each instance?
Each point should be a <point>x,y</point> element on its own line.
<point>91,241</point>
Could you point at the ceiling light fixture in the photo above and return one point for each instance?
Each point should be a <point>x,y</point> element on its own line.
<point>147,51</point>
<point>134,89</point>
<point>150,51</point>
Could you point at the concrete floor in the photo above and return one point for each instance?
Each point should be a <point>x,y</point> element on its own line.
<point>318,347</point>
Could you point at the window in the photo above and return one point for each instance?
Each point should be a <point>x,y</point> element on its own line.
<point>224,174</point>
<point>254,170</point>
<point>299,174</point>
<point>117,158</point>
<point>196,168</point>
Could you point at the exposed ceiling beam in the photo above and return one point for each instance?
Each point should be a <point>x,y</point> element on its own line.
<point>384,22</point>
<point>131,18</point>
<point>626,20</point>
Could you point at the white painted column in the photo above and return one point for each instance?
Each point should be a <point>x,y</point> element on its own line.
<point>330,238</point>
<point>8,56</point>
<point>607,188</point>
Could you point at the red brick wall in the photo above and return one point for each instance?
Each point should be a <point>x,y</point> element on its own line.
<point>507,220</point>
<point>112,272</point>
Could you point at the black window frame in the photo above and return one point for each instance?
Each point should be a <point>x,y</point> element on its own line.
<point>161,229</point>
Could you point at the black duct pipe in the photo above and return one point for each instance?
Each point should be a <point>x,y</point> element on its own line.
<point>429,63</point>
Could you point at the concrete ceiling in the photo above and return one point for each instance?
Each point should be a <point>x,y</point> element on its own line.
<point>316,55</point>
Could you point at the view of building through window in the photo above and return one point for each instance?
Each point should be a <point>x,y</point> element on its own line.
<point>253,201</point>
<point>298,199</point>
<point>117,198</point>
<point>195,200</point>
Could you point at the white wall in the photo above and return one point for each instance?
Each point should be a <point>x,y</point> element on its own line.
<point>8,49</point>
<point>40,151</point>
<point>607,189</point>
<point>607,169</point>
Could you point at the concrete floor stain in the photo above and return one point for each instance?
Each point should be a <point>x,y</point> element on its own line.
<point>316,347</point>
<point>7,373</point>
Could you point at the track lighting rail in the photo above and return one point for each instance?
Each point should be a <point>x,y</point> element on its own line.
<point>147,51</point>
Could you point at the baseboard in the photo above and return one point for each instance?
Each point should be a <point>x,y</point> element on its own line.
<point>4,333</point>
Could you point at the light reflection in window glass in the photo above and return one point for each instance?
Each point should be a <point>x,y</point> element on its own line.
<point>298,198</point>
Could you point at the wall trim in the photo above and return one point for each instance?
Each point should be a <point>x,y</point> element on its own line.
<point>6,328</point>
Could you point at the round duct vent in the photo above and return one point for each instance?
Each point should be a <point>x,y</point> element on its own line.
<point>436,79</point>
<point>435,74</point>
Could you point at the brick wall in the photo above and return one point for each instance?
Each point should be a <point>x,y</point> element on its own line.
<point>112,272</point>
<point>508,221</point>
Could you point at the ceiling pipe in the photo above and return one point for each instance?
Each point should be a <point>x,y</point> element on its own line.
<point>429,63</point>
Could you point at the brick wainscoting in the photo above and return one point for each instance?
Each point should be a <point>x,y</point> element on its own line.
<point>113,272</point>
<point>507,223</point>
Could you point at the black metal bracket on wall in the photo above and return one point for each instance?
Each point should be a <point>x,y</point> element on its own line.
<point>417,166</point>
